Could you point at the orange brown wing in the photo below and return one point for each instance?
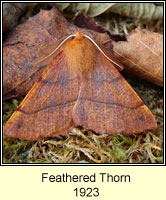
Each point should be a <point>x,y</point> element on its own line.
<point>108,104</point>
<point>47,108</point>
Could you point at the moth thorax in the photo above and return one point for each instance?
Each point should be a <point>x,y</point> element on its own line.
<point>80,54</point>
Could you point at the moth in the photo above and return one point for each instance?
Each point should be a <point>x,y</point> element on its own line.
<point>80,87</point>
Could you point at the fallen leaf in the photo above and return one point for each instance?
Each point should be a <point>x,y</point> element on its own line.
<point>95,9</point>
<point>142,55</point>
<point>83,21</point>
<point>142,11</point>
<point>84,7</point>
<point>11,14</point>
<point>87,22</point>
<point>60,6</point>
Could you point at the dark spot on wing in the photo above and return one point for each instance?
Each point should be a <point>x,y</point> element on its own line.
<point>19,124</point>
<point>141,119</point>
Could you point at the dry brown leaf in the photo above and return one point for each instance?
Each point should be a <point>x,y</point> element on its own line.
<point>142,11</point>
<point>142,55</point>
<point>11,14</point>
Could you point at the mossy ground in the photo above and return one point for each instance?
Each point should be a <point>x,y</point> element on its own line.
<point>85,146</point>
